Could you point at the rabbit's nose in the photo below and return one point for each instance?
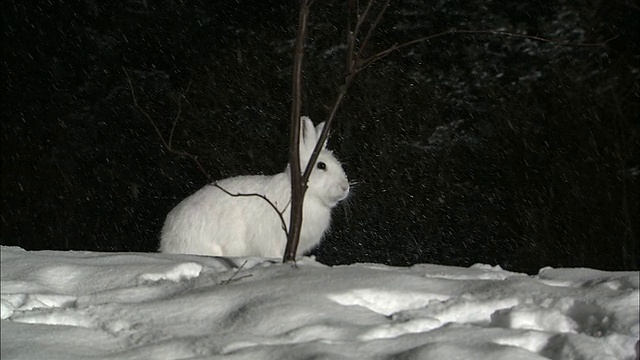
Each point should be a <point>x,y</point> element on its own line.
<point>345,187</point>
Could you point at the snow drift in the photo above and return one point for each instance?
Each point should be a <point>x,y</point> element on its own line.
<point>78,305</point>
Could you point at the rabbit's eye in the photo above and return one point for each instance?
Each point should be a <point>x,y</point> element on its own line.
<point>322,166</point>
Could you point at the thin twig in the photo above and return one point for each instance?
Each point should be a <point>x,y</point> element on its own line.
<point>352,70</point>
<point>179,112</point>
<point>169,147</point>
<point>372,28</point>
<point>352,35</point>
<point>373,58</point>
<point>166,144</point>
<point>265,198</point>
<point>233,277</point>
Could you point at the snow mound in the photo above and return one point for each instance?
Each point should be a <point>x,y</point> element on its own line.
<point>176,273</point>
<point>385,302</point>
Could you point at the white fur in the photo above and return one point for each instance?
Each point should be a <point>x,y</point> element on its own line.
<point>211,222</point>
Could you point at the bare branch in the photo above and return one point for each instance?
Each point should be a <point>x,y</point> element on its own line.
<point>342,92</point>
<point>298,185</point>
<point>352,34</point>
<point>233,276</point>
<point>353,66</point>
<point>372,28</point>
<point>538,38</point>
<point>263,197</point>
<point>372,59</point>
<point>179,112</point>
<point>168,146</point>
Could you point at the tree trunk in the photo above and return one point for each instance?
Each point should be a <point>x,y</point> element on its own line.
<point>298,187</point>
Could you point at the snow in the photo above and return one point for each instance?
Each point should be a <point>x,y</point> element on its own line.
<point>79,305</point>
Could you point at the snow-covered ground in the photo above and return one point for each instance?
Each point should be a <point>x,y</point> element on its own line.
<point>80,305</point>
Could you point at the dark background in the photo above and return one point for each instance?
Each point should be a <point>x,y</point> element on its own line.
<point>465,148</point>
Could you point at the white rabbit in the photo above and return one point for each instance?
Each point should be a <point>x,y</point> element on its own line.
<point>212,222</point>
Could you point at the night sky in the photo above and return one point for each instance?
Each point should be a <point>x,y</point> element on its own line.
<point>467,148</point>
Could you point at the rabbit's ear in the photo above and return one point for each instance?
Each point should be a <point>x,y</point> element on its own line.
<point>307,132</point>
<point>308,135</point>
<point>308,138</point>
<point>319,132</point>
